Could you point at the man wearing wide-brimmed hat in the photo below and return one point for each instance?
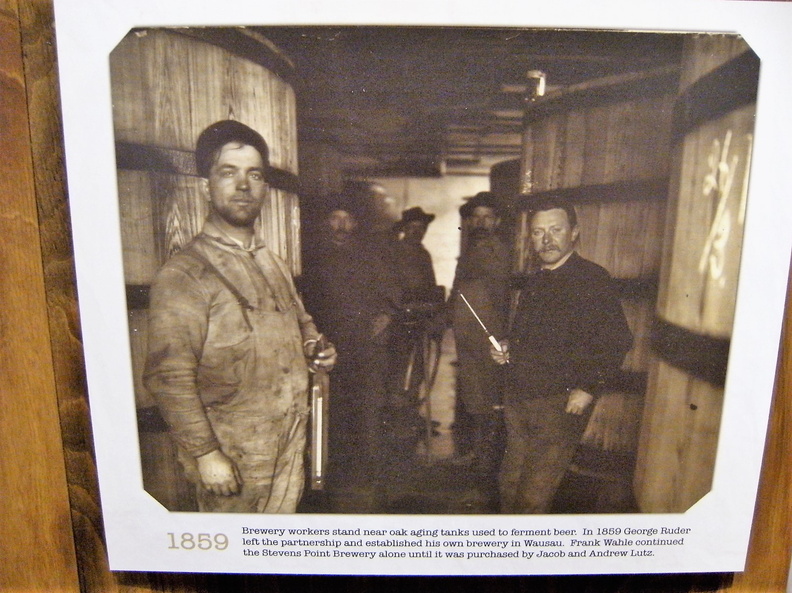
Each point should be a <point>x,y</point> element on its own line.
<point>413,260</point>
<point>422,299</point>
<point>482,275</point>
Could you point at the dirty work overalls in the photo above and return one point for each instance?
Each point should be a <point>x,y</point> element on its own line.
<point>261,426</point>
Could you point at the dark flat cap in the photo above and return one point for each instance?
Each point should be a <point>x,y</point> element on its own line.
<point>221,133</point>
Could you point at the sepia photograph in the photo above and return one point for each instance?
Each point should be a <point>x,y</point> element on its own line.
<point>417,190</point>
<point>422,298</point>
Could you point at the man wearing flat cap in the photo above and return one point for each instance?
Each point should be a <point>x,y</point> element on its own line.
<point>230,343</point>
<point>481,276</point>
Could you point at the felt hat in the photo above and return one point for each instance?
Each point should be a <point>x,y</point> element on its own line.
<point>343,201</point>
<point>483,198</point>
<point>414,214</point>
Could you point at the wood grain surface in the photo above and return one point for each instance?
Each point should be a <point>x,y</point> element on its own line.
<point>48,471</point>
<point>36,543</point>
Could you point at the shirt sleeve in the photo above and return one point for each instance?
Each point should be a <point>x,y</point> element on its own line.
<point>605,338</point>
<point>178,321</point>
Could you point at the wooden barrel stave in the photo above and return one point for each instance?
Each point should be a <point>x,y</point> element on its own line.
<point>639,314</point>
<point>138,241</point>
<point>168,87</point>
<point>698,283</point>
<point>681,468</point>
<point>138,332</point>
<point>707,238</point>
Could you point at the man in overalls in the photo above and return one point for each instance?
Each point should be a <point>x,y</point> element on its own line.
<point>230,342</point>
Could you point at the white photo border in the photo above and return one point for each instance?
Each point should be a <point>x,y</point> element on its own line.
<point>137,528</point>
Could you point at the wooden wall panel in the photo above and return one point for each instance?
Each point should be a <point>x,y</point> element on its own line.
<point>35,531</point>
<point>37,552</point>
<point>771,535</point>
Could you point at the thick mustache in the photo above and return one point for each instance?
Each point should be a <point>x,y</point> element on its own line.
<point>549,248</point>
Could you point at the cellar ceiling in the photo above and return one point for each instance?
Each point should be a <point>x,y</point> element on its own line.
<point>426,101</point>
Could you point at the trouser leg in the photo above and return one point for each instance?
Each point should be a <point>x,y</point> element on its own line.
<point>373,402</point>
<point>269,456</point>
<point>405,374</point>
<point>541,441</point>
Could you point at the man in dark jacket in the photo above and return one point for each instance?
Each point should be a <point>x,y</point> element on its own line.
<point>568,340</point>
<point>413,261</point>
<point>422,300</point>
<point>481,283</point>
<point>350,286</point>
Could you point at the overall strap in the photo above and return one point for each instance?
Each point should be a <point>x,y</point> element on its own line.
<point>243,302</point>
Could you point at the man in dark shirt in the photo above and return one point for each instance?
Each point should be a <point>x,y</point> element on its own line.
<point>413,261</point>
<point>422,299</point>
<point>568,340</point>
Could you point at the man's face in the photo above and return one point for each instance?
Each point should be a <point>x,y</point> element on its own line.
<point>414,231</point>
<point>342,224</point>
<point>552,237</point>
<point>483,221</point>
<point>236,187</point>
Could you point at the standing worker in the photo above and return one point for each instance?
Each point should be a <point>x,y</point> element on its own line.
<point>482,277</point>
<point>350,285</point>
<point>568,341</point>
<point>413,261</point>
<point>422,299</point>
<point>229,343</point>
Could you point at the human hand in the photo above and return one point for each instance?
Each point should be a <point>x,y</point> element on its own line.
<point>578,401</point>
<point>325,359</point>
<point>615,422</point>
<point>219,474</point>
<point>500,356</point>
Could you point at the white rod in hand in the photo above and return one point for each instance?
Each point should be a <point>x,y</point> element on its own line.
<point>490,337</point>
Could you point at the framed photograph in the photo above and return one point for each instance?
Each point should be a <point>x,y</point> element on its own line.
<point>432,292</point>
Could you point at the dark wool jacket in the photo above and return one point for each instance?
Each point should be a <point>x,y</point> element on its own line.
<point>569,332</point>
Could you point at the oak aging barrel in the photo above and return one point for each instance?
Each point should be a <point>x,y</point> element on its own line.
<point>713,131</point>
